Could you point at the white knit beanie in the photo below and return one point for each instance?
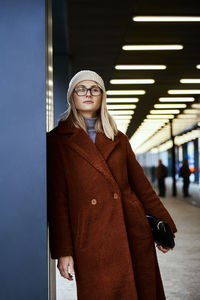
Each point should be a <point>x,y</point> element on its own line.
<point>84,75</point>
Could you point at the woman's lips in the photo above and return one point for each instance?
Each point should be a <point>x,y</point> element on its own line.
<point>88,101</point>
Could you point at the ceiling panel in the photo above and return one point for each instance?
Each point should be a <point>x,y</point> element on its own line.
<point>98,30</point>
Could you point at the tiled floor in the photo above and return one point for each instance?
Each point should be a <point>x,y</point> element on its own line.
<point>180,268</point>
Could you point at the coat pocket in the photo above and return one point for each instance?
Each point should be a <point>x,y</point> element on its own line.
<point>85,232</point>
<point>135,218</point>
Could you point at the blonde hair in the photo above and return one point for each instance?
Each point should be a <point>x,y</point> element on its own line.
<point>104,123</point>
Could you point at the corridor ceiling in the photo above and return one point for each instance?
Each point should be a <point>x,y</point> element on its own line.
<point>97,30</point>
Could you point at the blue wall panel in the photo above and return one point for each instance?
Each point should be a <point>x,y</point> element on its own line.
<point>23,233</point>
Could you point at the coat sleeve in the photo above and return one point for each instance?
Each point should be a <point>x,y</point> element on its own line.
<point>58,216</point>
<point>144,191</point>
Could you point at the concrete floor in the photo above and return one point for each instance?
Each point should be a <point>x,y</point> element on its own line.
<point>180,268</point>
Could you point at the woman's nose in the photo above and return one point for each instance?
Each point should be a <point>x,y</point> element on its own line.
<point>89,93</point>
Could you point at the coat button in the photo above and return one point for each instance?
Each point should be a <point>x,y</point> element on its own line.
<point>115,196</point>
<point>94,201</point>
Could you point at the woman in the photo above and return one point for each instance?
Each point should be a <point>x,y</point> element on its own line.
<point>98,200</point>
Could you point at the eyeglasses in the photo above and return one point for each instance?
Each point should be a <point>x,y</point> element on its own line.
<point>82,90</point>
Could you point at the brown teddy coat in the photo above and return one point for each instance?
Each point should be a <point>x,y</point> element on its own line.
<point>98,198</point>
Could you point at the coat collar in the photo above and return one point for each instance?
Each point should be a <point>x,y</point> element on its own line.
<point>95,153</point>
<point>79,139</point>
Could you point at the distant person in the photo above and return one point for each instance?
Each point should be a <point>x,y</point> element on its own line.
<point>161,173</point>
<point>185,173</point>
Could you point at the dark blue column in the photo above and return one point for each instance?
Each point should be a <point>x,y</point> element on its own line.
<point>23,225</point>
<point>185,152</point>
<point>196,160</point>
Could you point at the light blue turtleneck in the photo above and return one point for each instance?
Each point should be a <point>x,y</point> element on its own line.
<point>90,122</point>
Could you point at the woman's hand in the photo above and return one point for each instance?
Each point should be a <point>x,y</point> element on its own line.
<point>64,263</point>
<point>164,250</point>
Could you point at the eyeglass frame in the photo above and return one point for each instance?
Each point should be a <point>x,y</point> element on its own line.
<point>88,89</point>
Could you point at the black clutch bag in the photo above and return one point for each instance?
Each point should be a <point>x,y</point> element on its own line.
<point>162,232</point>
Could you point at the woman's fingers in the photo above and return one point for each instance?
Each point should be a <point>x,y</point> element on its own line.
<point>71,264</point>
<point>64,273</point>
<point>164,250</point>
<point>64,264</point>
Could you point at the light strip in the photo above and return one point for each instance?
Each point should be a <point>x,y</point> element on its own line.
<point>122,117</point>
<point>121,106</point>
<point>120,100</point>
<point>192,135</point>
<point>132,81</point>
<point>185,80</point>
<point>185,116</point>
<point>165,111</point>
<point>196,105</point>
<point>140,67</point>
<point>165,19</point>
<point>147,121</point>
<point>121,112</point>
<point>176,99</point>
<point>160,116</point>
<point>191,111</point>
<point>127,121</point>
<point>164,147</point>
<point>125,92</point>
<point>122,122</point>
<point>152,47</point>
<point>198,66</point>
<point>170,105</point>
<point>172,92</point>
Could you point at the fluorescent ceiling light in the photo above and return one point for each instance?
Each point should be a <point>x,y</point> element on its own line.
<point>121,112</point>
<point>132,81</point>
<point>192,135</point>
<point>166,19</point>
<point>191,111</point>
<point>185,116</point>
<point>189,80</point>
<point>160,116</point>
<point>176,99</point>
<point>152,47</point>
<point>198,66</point>
<point>147,121</point>
<point>170,105</point>
<point>171,92</point>
<point>165,111</point>
<point>125,122</point>
<point>126,92</point>
<point>121,106</point>
<point>122,117</point>
<point>150,127</point>
<point>196,105</point>
<point>120,100</point>
<point>140,67</point>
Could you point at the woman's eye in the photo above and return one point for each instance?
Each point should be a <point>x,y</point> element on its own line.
<point>95,89</point>
<point>81,89</point>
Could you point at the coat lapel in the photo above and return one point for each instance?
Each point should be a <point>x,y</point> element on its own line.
<point>105,145</point>
<point>95,153</point>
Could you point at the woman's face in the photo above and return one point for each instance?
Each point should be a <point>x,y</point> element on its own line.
<point>87,104</point>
